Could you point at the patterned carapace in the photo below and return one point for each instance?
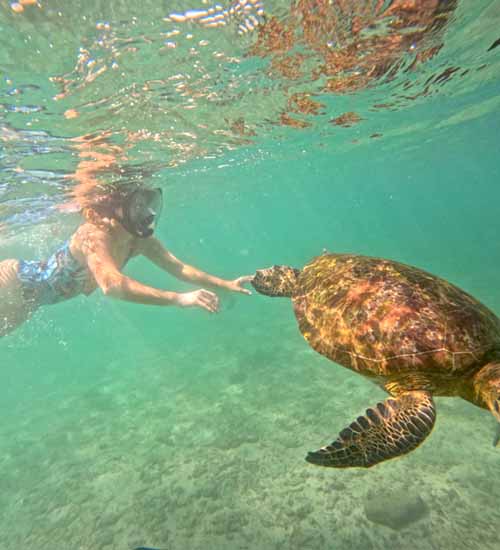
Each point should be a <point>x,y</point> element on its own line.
<point>392,321</point>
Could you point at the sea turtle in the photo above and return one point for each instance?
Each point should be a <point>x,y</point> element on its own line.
<point>412,333</point>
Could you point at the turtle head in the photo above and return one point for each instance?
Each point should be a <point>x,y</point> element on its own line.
<point>279,280</point>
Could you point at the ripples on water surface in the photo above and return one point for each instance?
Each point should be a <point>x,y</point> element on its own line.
<point>276,128</point>
<point>162,84</point>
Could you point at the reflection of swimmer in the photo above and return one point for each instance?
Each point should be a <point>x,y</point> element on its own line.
<point>117,227</point>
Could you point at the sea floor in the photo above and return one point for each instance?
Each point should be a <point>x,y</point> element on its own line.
<point>205,450</point>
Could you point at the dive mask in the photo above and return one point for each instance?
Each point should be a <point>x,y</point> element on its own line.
<point>141,212</point>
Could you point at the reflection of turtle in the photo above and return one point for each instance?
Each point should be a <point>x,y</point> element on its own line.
<point>413,334</point>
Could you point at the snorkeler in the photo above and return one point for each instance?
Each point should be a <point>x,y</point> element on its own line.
<point>117,227</point>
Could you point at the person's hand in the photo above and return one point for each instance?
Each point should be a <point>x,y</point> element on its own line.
<point>237,284</point>
<point>200,298</point>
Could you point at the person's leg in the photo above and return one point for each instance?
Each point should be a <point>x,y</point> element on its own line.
<point>13,308</point>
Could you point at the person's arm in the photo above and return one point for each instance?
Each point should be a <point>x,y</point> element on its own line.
<point>154,250</point>
<point>117,285</point>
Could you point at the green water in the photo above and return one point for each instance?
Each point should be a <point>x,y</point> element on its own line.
<point>125,425</point>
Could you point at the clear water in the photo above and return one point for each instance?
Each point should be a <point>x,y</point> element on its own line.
<point>126,425</point>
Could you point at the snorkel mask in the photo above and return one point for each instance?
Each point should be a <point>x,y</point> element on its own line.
<point>141,211</point>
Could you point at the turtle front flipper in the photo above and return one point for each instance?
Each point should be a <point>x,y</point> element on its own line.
<point>392,428</point>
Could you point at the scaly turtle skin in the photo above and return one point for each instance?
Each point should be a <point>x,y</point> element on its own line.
<point>412,333</point>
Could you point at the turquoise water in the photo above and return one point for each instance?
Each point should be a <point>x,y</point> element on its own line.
<point>126,425</point>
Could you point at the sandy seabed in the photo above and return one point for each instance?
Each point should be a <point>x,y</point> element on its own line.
<point>206,451</point>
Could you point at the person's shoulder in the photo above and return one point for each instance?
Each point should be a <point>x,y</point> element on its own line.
<point>88,237</point>
<point>90,230</point>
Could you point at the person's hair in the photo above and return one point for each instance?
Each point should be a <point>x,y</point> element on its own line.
<point>95,217</point>
<point>101,208</point>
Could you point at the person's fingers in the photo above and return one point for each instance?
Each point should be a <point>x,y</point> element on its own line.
<point>245,291</point>
<point>207,307</point>
<point>210,296</point>
<point>210,305</point>
<point>209,300</point>
<point>240,281</point>
<point>205,304</point>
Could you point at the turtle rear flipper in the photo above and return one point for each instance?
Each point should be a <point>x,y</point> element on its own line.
<point>496,438</point>
<point>392,428</point>
<point>487,387</point>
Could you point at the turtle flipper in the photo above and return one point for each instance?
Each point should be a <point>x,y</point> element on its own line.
<point>487,388</point>
<point>496,438</point>
<point>392,428</point>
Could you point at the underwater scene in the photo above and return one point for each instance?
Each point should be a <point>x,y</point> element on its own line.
<point>163,386</point>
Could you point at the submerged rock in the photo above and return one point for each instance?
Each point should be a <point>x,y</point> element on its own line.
<point>395,508</point>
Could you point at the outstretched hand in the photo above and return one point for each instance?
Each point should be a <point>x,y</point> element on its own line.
<point>200,298</point>
<point>237,284</point>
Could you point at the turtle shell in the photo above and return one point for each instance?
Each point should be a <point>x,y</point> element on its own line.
<point>381,318</point>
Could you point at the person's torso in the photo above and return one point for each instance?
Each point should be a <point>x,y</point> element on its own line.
<point>65,273</point>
